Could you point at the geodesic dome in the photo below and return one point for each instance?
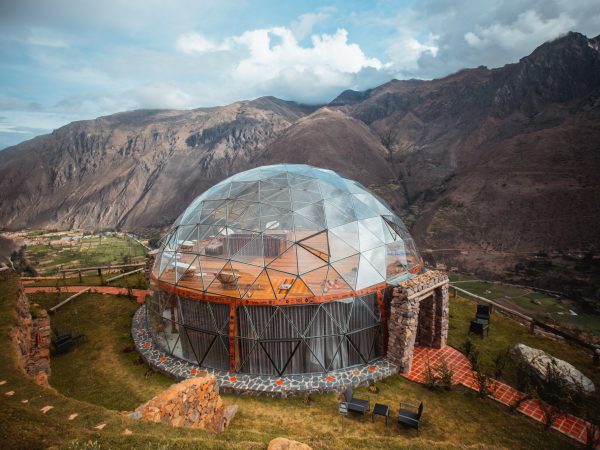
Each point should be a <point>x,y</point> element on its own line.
<point>286,231</point>
<point>279,270</point>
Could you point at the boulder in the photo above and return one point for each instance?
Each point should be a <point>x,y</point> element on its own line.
<point>539,361</point>
<point>287,444</point>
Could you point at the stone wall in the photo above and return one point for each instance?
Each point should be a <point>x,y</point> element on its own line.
<point>193,403</point>
<point>32,337</point>
<point>418,305</point>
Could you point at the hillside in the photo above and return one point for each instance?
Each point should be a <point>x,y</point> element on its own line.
<point>488,166</point>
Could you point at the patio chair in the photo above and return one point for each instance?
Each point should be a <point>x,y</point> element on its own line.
<point>483,313</point>
<point>480,327</point>
<point>410,415</point>
<point>357,405</point>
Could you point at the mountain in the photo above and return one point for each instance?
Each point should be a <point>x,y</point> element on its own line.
<point>486,165</point>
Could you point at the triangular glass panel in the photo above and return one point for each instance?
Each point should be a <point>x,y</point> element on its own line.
<point>367,275</point>
<point>261,288</point>
<point>209,267</point>
<point>247,274</point>
<point>397,263</point>
<point>347,233</point>
<point>245,190</point>
<point>299,289</point>
<point>361,210</point>
<point>348,269</point>
<point>187,239</point>
<point>286,261</point>
<point>249,249</point>
<point>316,280</point>
<point>317,244</point>
<point>368,240</point>
<point>220,313</point>
<point>340,249</point>
<point>281,282</point>
<point>335,283</point>
<point>189,277</point>
<point>217,356</point>
<point>307,261</point>
<point>300,318</point>
<point>169,274</point>
<point>377,258</point>
<point>336,216</point>
<point>329,191</point>
<point>304,227</point>
<point>226,282</point>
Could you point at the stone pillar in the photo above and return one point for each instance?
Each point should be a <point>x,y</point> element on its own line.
<point>442,316</point>
<point>402,329</point>
<point>418,303</point>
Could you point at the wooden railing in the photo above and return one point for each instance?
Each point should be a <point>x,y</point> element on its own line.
<point>533,323</point>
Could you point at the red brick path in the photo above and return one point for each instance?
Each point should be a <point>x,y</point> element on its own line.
<point>139,293</point>
<point>572,426</point>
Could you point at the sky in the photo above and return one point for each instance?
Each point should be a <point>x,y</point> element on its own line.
<point>66,60</point>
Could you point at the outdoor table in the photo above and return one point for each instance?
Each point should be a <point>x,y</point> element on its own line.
<point>381,410</point>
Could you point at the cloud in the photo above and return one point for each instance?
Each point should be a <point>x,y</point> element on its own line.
<point>406,51</point>
<point>530,28</point>
<point>195,43</point>
<point>10,103</point>
<point>304,25</point>
<point>160,95</point>
<point>275,58</point>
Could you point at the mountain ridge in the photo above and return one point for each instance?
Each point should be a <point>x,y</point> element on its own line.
<point>471,160</point>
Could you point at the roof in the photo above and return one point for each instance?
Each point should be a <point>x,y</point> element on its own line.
<point>286,231</point>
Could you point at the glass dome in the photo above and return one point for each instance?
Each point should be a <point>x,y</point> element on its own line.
<point>286,231</point>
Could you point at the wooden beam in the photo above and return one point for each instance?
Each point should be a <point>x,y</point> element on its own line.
<point>123,275</point>
<point>233,348</point>
<point>67,300</point>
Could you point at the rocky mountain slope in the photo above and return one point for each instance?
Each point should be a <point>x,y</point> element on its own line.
<point>487,165</point>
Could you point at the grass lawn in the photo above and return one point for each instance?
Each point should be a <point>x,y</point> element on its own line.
<point>98,378</point>
<point>541,306</point>
<point>95,251</point>
<point>504,333</point>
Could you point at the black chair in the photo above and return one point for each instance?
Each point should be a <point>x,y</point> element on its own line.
<point>357,405</point>
<point>480,327</point>
<point>410,415</point>
<point>483,313</point>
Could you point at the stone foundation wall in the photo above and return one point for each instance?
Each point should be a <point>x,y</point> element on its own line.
<point>32,337</point>
<point>418,305</point>
<point>193,403</point>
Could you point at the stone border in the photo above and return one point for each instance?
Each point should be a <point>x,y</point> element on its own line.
<point>258,385</point>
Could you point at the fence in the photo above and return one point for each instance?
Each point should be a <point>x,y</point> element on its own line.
<point>532,322</point>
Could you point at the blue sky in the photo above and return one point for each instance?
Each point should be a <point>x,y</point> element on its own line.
<point>65,60</point>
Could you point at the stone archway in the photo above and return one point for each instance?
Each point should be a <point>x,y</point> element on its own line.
<point>419,309</point>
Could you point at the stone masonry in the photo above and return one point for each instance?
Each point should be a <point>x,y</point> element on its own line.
<point>418,309</point>
<point>32,337</point>
<point>193,403</point>
<point>150,258</point>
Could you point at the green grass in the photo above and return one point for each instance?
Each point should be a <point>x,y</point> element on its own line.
<point>99,373</point>
<point>504,333</point>
<point>95,251</point>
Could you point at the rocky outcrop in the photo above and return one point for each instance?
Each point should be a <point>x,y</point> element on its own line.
<point>541,362</point>
<point>193,403</point>
<point>287,444</point>
<point>32,337</point>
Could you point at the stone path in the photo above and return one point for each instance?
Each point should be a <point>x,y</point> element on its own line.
<point>140,294</point>
<point>572,426</point>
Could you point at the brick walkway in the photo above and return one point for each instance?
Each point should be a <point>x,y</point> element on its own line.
<point>572,426</point>
<point>140,294</point>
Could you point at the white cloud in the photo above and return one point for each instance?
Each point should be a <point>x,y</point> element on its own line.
<point>160,95</point>
<point>529,29</point>
<point>275,57</point>
<point>406,51</point>
<point>306,22</point>
<point>195,43</point>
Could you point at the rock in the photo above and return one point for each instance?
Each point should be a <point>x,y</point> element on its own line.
<point>193,403</point>
<point>287,444</point>
<point>539,361</point>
